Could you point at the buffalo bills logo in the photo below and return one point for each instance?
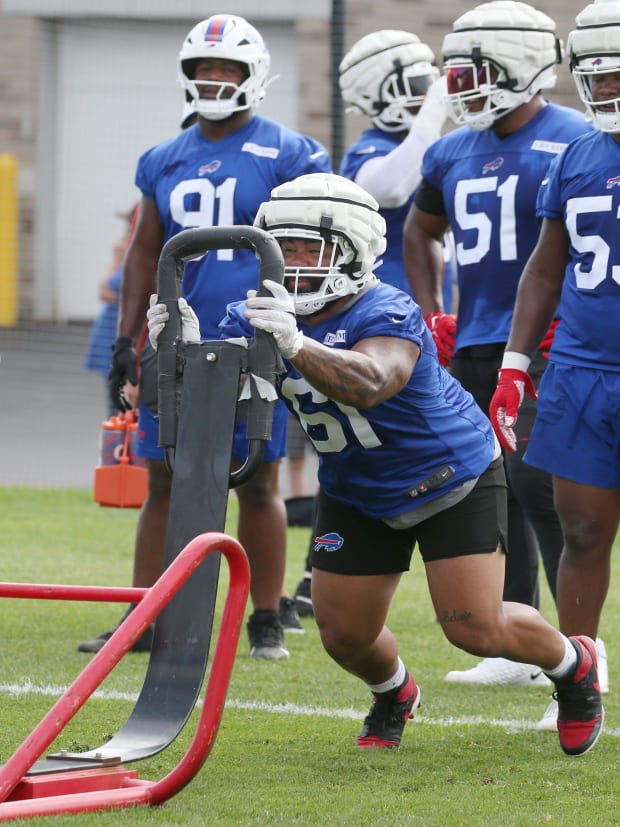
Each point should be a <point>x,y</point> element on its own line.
<point>329,542</point>
<point>492,166</point>
<point>613,182</point>
<point>206,169</point>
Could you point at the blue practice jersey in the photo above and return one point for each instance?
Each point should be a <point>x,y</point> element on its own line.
<point>371,459</point>
<point>583,191</point>
<point>489,186</point>
<point>196,182</point>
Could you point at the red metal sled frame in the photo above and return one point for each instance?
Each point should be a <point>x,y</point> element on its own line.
<point>131,790</point>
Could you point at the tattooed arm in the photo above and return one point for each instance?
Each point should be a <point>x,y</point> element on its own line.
<point>372,371</point>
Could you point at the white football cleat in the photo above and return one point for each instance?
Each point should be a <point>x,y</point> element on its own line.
<point>500,672</point>
<point>549,721</point>
<point>603,672</point>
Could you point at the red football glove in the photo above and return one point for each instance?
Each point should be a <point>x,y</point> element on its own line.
<point>545,346</point>
<point>443,328</point>
<point>512,385</point>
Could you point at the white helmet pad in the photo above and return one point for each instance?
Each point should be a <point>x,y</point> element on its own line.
<point>518,41</point>
<point>385,75</point>
<point>327,207</point>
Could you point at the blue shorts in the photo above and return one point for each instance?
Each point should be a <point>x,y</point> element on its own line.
<point>576,433</point>
<point>275,449</point>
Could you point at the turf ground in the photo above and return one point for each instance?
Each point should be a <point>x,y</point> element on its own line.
<point>285,751</point>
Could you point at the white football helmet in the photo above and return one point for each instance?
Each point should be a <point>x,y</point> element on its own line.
<point>329,208</point>
<point>384,74</point>
<point>227,37</point>
<point>501,54</point>
<point>594,50</point>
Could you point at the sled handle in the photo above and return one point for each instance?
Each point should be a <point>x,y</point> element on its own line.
<point>183,247</point>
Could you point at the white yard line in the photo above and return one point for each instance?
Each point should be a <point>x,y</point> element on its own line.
<point>52,691</point>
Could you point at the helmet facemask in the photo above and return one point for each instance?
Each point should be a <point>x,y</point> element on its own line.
<point>334,272</point>
<point>229,97</point>
<point>501,53</point>
<point>594,51</point>
<point>481,79</point>
<point>604,114</point>
<point>224,37</point>
<point>326,208</point>
<point>402,91</point>
<point>468,82</point>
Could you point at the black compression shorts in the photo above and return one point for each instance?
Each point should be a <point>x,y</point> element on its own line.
<point>348,542</point>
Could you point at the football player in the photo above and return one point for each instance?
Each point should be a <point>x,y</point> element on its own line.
<point>390,77</point>
<point>481,182</point>
<point>573,273</point>
<point>406,457</point>
<point>217,172</point>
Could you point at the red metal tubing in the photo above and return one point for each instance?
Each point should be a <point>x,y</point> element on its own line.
<point>74,803</point>
<point>219,678</point>
<point>53,591</point>
<point>153,602</point>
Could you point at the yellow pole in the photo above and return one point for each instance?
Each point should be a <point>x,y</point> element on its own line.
<point>8,239</point>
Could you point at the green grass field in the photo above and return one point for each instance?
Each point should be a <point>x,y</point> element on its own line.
<point>285,753</point>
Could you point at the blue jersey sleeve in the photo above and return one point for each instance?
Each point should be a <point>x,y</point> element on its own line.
<point>115,280</point>
<point>143,178</point>
<point>303,156</point>
<point>548,203</point>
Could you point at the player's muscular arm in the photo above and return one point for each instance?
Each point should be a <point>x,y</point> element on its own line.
<point>539,289</point>
<point>373,371</point>
<point>423,257</point>
<point>140,270</point>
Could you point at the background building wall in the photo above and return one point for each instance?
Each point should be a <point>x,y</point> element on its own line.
<point>18,132</point>
<point>33,91</point>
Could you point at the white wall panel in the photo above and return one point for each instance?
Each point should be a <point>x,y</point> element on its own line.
<point>116,94</point>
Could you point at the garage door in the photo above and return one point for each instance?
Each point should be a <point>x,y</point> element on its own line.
<point>116,94</point>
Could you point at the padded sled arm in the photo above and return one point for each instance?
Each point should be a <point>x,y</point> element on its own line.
<point>187,245</point>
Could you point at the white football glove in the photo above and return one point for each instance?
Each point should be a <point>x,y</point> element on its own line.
<point>434,110</point>
<point>157,315</point>
<point>276,315</point>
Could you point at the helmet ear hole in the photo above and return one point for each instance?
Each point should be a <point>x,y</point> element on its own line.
<point>501,99</point>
